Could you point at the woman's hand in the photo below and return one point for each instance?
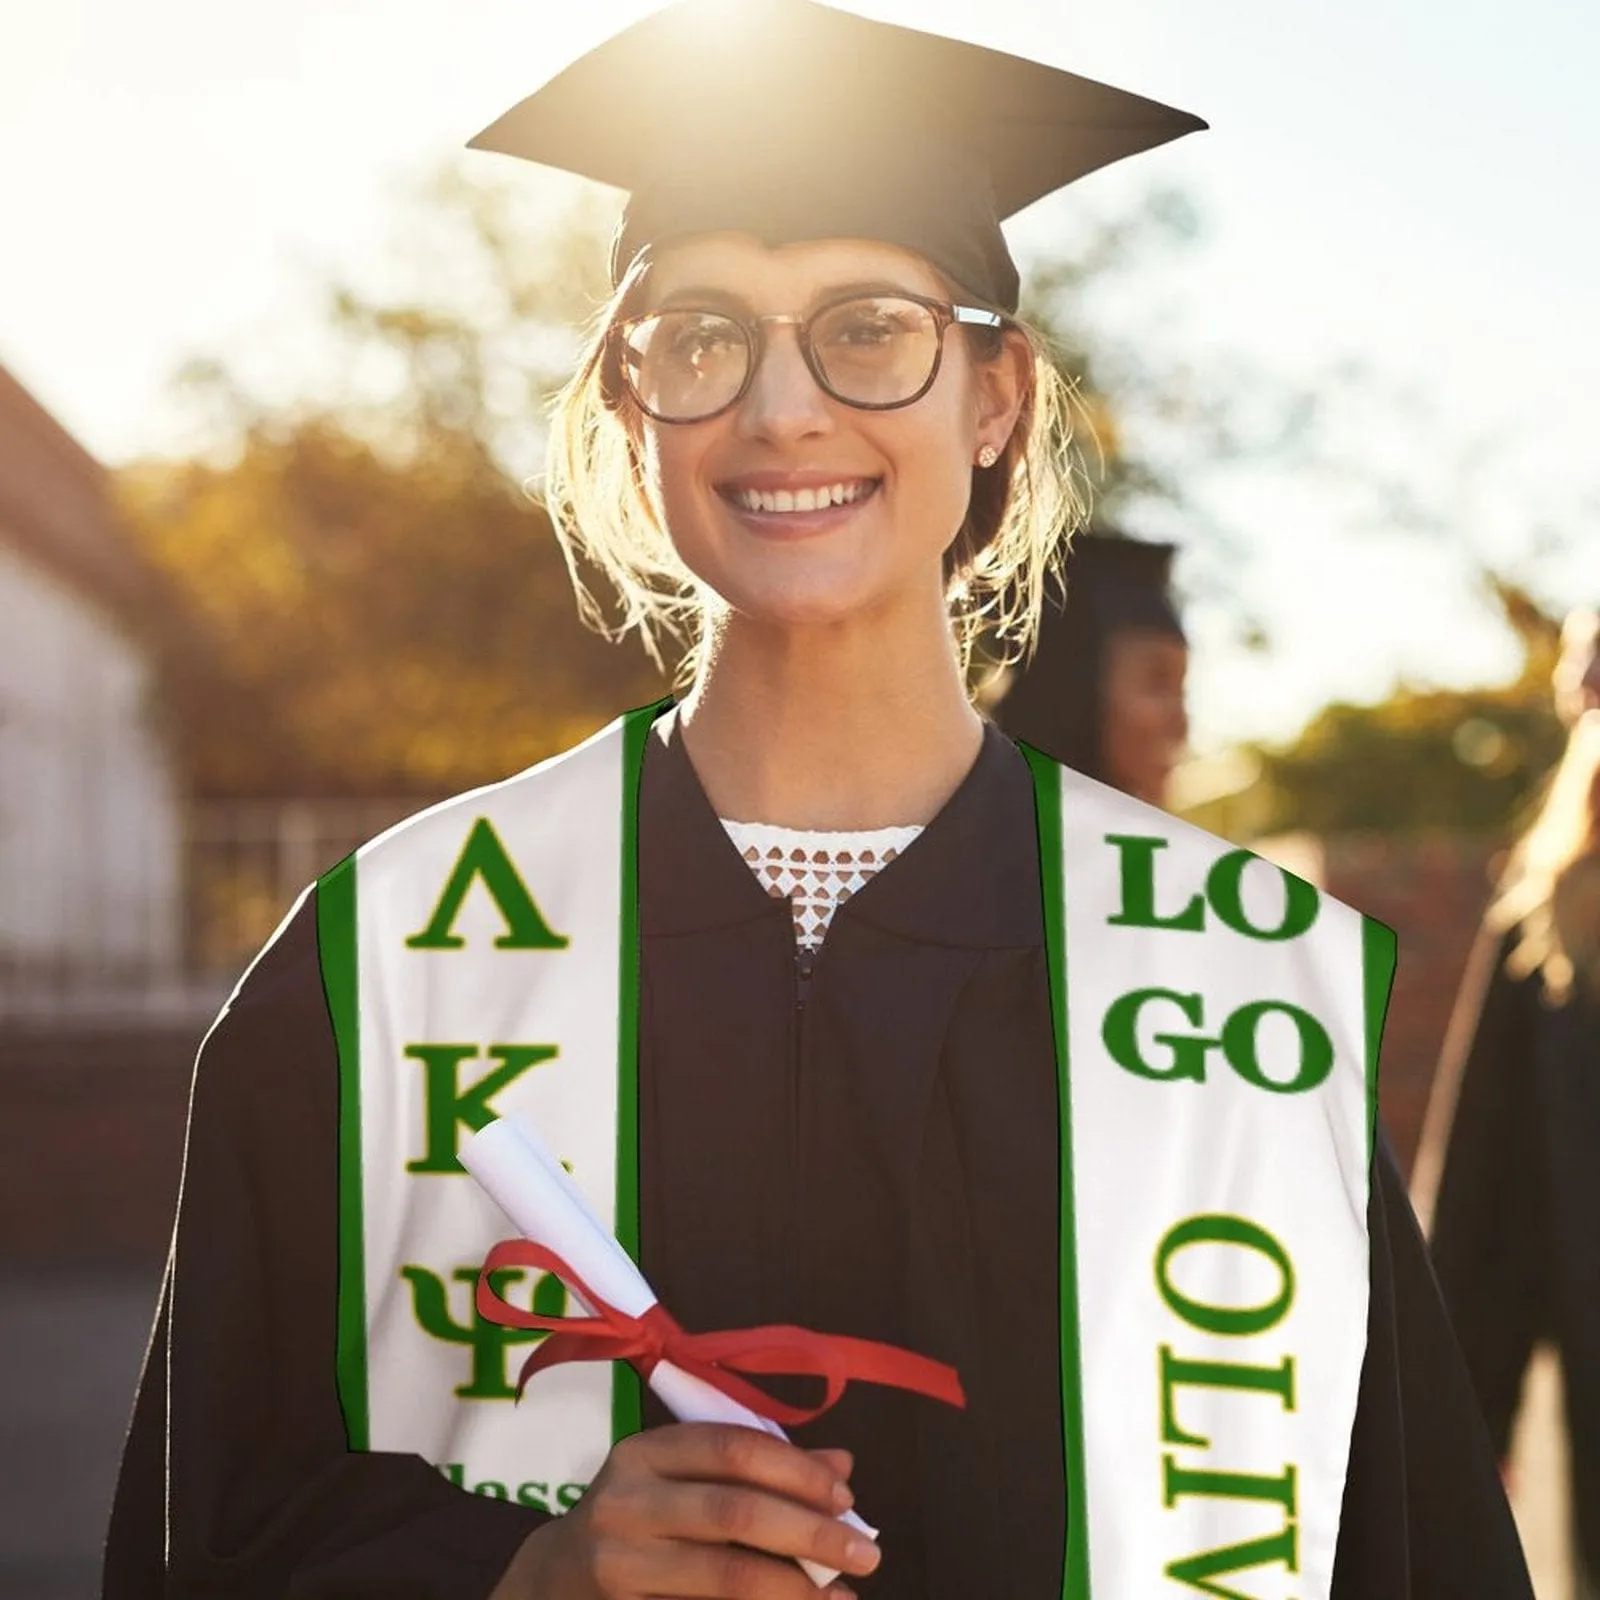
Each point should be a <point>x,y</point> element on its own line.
<point>699,1511</point>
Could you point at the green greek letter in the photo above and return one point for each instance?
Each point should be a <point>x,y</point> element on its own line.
<point>484,856</point>
<point>447,1108</point>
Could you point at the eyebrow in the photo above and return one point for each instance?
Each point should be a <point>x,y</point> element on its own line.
<point>707,297</point>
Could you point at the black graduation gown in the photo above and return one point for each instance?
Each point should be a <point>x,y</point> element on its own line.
<point>870,1150</point>
<point>1516,1224</point>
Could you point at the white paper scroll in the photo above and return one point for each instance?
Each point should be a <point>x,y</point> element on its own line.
<point>522,1177</point>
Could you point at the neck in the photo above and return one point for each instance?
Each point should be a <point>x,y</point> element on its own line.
<point>837,726</point>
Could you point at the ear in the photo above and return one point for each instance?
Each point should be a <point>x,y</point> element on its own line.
<point>1000,387</point>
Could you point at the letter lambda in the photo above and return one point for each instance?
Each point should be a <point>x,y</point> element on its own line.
<point>484,856</point>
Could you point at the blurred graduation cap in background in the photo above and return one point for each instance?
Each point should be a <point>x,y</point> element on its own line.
<point>792,120</point>
<point>1057,701</point>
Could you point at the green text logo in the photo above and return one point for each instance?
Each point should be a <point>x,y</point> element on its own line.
<point>1184,1053</point>
<point>1222,893</point>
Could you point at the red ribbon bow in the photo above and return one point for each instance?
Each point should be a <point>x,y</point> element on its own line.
<point>717,1358</point>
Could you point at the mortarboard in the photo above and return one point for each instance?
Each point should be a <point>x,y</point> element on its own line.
<point>1054,701</point>
<point>792,120</point>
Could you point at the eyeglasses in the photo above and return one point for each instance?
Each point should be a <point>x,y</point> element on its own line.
<point>874,352</point>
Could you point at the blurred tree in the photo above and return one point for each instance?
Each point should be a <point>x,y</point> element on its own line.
<point>373,627</point>
<point>381,604</point>
<point>1462,759</point>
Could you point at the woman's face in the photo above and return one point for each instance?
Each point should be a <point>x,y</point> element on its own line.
<point>1143,720</point>
<point>904,475</point>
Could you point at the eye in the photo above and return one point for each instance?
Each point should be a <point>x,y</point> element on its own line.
<point>694,339</point>
<point>868,324</point>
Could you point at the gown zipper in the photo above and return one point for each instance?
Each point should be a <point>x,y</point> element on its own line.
<point>805,961</point>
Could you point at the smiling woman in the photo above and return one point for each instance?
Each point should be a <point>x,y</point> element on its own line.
<point>859,1025</point>
<point>874,337</point>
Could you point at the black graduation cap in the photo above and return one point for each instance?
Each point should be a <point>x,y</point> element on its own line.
<point>792,120</point>
<point>1054,701</point>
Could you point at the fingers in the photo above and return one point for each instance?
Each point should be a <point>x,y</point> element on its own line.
<point>729,1514</point>
<point>839,1462</point>
<point>713,1453</point>
<point>717,1572</point>
<point>701,1512</point>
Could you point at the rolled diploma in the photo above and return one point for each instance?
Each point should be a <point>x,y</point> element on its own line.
<point>511,1164</point>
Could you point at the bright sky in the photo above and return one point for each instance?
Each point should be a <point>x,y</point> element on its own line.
<point>1405,184</point>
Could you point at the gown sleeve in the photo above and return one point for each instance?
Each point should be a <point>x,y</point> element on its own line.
<point>235,1478</point>
<point>1488,1223</point>
<point>1425,1514</point>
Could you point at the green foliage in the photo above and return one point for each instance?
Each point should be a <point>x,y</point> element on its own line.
<point>370,626</point>
<point>1423,759</point>
<point>377,604</point>
<point>1462,759</point>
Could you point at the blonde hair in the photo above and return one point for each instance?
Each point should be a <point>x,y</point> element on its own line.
<point>1551,890</point>
<point>1022,515</point>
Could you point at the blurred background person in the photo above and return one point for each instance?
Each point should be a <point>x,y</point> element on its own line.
<point>1509,1164</point>
<point>1104,691</point>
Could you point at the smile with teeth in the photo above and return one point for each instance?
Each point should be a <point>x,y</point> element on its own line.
<point>817,498</point>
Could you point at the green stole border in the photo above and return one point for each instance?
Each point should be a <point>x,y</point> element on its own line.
<point>1047,810</point>
<point>626,1392</point>
<point>341,983</point>
<point>1379,948</point>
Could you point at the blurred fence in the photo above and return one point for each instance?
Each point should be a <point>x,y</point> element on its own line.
<point>243,864</point>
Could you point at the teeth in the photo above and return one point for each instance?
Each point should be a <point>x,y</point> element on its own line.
<point>780,500</point>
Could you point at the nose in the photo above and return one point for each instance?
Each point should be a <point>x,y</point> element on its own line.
<point>784,402</point>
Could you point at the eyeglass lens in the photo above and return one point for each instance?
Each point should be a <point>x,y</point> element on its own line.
<point>879,350</point>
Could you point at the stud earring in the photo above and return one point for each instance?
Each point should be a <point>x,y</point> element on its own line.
<point>988,455</point>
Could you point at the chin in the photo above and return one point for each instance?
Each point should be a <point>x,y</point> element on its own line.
<point>798,606</point>
<point>805,593</point>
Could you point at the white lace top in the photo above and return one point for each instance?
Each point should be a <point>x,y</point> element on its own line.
<point>815,871</point>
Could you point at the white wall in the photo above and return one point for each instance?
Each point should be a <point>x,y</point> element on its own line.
<point>90,819</point>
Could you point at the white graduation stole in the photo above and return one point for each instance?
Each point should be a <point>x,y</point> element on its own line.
<point>1217,1024</point>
